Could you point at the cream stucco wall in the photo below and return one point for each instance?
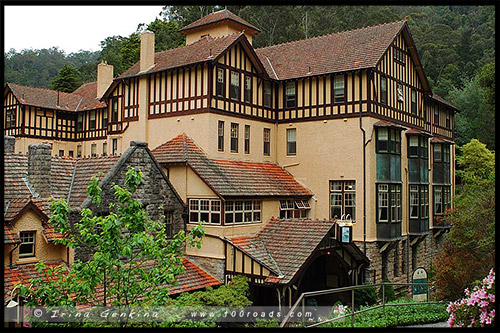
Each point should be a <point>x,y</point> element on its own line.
<point>43,250</point>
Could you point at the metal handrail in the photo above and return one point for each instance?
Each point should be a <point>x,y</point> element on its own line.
<point>353,288</point>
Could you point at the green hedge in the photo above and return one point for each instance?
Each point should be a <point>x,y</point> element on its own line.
<point>395,316</point>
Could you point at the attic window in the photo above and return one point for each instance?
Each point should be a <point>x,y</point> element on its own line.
<point>27,247</point>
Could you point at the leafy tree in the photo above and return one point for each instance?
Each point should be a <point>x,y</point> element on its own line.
<point>133,260</point>
<point>67,80</point>
<point>469,251</point>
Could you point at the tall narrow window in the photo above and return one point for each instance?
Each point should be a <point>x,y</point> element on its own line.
<point>438,200</point>
<point>413,102</point>
<point>382,140</point>
<point>383,90</point>
<point>105,119</point>
<point>27,247</point>
<point>267,141</point>
<point>437,156</point>
<point>247,139</point>
<point>339,89</point>
<point>114,110</point>
<point>79,151</point>
<point>448,120</point>
<point>436,114</point>
<point>383,203</point>
<point>79,122</point>
<point>105,149</point>
<point>399,89</point>
<point>234,137</point>
<point>234,93</point>
<point>220,82</point>
<point>414,201</point>
<point>93,149</point>
<point>248,89</point>
<point>267,93</point>
<point>115,146</point>
<point>291,141</point>
<point>61,152</point>
<point>220,136</point>
<point>169,221</point>
<point>290,94</point>
<point>413,146</point>
<point>92,122</point>
<point>424,201</point>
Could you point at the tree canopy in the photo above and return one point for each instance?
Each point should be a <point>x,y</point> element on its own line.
<point>67,80</point>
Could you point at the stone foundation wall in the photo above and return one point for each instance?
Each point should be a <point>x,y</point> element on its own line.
<point>399,260</point>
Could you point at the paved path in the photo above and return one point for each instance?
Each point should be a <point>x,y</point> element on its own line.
<point>439,324</point>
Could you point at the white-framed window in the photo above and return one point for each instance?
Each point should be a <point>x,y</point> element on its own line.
<point>343,199</point>
<point>296,209</point>
<point>414,201</point>
<point>234,92</point>
<point>267,93</point>
<point>27,246</point>
<point>206,210</point>
<point>248,89</point>
<point>242,211</point>
<point>339,89</point>
<point>399,89</point>
<point>383,203</point>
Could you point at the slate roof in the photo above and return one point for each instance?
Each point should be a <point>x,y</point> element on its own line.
<point>218,16</point>
<point>205,49</point>
<point>230,178</point>
<point>443,101</point>
<point>284,245</point>
<point>15,168</point>
<point>84,98</point>
<point>193,278</point>
<point>62,169</point>
<point>336,52</point>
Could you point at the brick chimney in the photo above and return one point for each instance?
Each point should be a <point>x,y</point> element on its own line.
<point>104,78</point>
<point>147,59</point>
<point>9,143</point>
<point>39,168</point>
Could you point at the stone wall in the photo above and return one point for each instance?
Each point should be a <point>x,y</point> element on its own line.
<point>154,192</point>
<point>212,266</point>
<point>9,144</point>
<point>39,168</point>
<point>398,261</point>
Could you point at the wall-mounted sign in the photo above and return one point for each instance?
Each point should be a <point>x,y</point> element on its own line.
<point>420,291</point>
<point>345,234</point>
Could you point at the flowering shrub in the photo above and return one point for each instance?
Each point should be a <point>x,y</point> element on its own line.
<point>477,309</point>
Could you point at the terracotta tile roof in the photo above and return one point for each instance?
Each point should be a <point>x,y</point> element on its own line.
<point>84,98</point>
<point>22,274</point>
<point>418,132</point>
<point>10,236</point>
<point>443,101</point>
<point>437,139</point>
<point>218,16</point>
<point>385,123</point>
<point>289,243</point>
<point>336,52</point>
<point>205,49</point>
<point>230,178</point>
<point>193,278</point>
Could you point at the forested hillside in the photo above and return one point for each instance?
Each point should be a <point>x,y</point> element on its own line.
<point>456,45</point>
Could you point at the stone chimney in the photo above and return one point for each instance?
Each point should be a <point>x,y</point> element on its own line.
<point>9,143</point>
<point>39,168</point>
<point>104,78</point>
<point>147,59</point>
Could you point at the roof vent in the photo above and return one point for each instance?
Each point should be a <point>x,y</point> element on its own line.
<point>309,70</point>
<point>210,53</point>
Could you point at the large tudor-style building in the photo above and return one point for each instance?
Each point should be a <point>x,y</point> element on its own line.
<point>274,148</point>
